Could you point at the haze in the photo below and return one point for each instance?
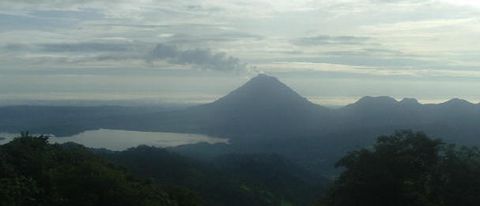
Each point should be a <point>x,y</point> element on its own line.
<point>332,52</point>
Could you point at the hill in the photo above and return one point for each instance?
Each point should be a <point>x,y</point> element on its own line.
<point>33,172</point>
<point>230,179</point>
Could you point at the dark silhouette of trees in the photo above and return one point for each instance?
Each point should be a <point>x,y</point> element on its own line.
<point>34,172</point>
<point>408,168</point>
<point>233,179</point>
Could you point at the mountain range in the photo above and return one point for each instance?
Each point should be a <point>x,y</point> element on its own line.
<point>265,116</point>
<point>265,107</point>
<point>262,107</point>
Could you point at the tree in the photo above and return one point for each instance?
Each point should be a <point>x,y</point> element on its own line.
<point>408,168</point>
<point>34,172</point>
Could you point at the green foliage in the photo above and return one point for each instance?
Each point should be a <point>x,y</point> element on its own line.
<point>459,176</point>
<point>408,168</point>
<point>272,176</point>
<point>34,172</point>
<point>18,191</point>
<point>234,180</point>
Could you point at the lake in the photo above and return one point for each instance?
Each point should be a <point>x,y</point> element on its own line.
<point>121,139</point>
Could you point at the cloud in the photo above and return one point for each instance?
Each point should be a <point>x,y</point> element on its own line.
<point>13,47</point>
<point>217,36</point>
<point>203,59</point>
<point>330,40</point>
<point>97,52</point>
<point>379,52</point>
<point>401,1</point>
<point>75,49</point>
<point>53,3</point>
<point>84,47</point>
<point>369,71</point>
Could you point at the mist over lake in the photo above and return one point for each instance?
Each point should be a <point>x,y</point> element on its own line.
<point>118,140</point>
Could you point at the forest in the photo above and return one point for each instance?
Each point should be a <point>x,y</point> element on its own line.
<point>405,168</point>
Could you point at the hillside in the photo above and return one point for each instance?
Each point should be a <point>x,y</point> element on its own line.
<point>230,179</point>
<point>33,172</point>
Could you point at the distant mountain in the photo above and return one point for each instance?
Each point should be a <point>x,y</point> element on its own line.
<point>63,120</point>
<point>456,120</point>
<point>379,111</point>
<point>263,106</point>
<point>265,115</point>
<point>263,93</point>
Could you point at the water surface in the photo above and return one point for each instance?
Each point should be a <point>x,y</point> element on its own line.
<point>122,139</point>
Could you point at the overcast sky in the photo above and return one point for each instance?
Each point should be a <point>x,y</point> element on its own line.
<point>331,51</point>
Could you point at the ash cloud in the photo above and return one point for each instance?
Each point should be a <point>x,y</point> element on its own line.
<point>204,59</point>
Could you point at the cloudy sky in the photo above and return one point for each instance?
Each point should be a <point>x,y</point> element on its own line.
<point>157,51</point>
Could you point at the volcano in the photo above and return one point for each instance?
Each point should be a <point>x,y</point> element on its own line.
<point>263,106</point>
